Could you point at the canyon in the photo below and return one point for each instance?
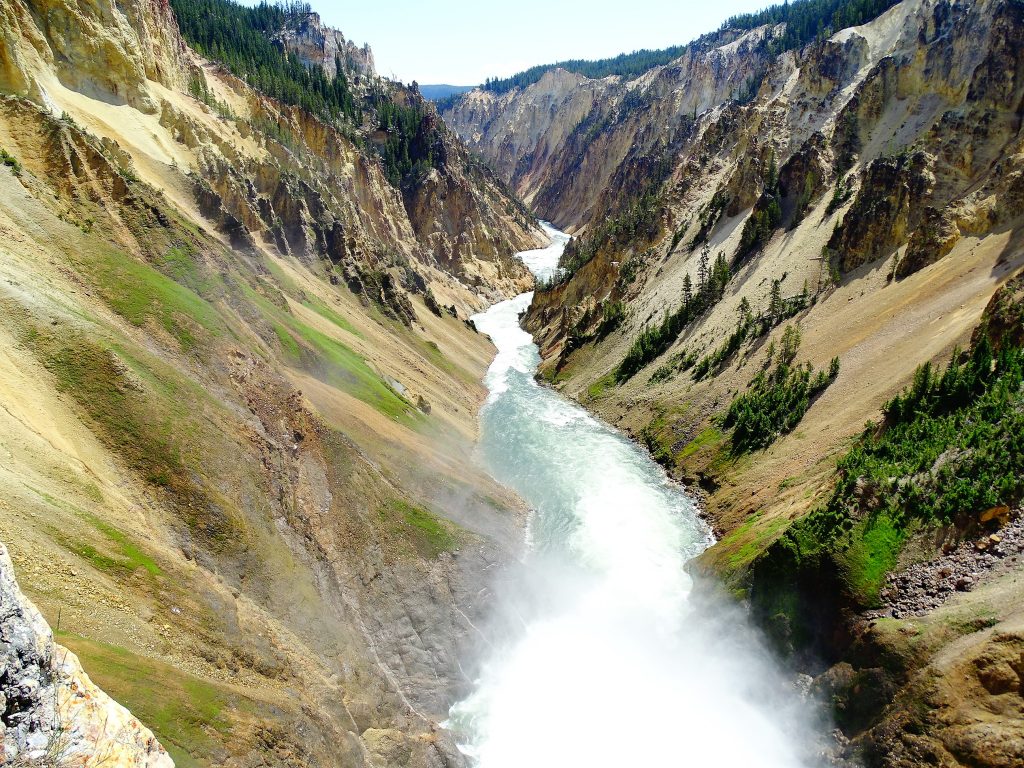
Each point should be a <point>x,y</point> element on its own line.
<point>269,487</point>
<point>855,199</point>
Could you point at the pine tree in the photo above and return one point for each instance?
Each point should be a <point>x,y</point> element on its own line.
<point>791,339</point>
<point>775,301</point>
<point>743,311</point>
<point>720,274</point>
<point>703,266</point>
<point>687,289</point>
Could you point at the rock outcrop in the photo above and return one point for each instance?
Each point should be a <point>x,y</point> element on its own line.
<point>106,50</point>
<point>1003,320</point>
<point>887,208</point>
<point>318,45</point>
<point>51,713</point>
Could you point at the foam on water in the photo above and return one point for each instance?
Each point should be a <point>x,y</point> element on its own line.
<point>543,262</point>
<point>611,664</point>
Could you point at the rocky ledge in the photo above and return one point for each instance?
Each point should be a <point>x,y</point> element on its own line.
<point>925,586</point>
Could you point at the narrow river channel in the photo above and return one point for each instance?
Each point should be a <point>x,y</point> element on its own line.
<point>607,661</point>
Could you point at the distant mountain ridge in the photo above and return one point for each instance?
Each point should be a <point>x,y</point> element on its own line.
<point>443,91</point>
<point>804,20</point>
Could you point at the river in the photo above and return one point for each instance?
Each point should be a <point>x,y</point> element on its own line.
<point>604,659</point>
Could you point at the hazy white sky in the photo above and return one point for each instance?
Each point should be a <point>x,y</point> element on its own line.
<point>462,42</point>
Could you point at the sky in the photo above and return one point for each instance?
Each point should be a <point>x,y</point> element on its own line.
<point>462,42</point>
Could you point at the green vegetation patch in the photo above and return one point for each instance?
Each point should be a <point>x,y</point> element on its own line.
<point>188,715</point>
<point>291,348</point>
<point>330,315</point>
<point>98,560</point>
<point>711,437</point>
<point>282,278</point>
<point>9,160</point>
<point>775,403</point>
<point>437,357</point>
<point>873,550</point>
<point>138,293</point>
<point>554,375</point>
<point>131,557</point>
<point>655,340</point>
<point>93,376</point>
<point>951,447</point>
<point>331,360</point>
<point>663,436</point>
<point>983,618</point>
<point>410,139</point>
<point>350,372</point>
<point>748,541</point>
<point>428,534</point>
<point>599,387</point>
<point>748,326</point>
<point>180,263</point>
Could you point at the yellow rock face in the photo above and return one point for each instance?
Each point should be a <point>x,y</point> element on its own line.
<point>99,731</point>
<point>104,49</point>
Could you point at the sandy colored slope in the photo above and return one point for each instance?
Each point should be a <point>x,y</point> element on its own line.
<point>104,555</point>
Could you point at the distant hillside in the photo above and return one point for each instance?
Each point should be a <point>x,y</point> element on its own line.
<point>628,65</point>
<point>805,20</point>
<point>435,92</point>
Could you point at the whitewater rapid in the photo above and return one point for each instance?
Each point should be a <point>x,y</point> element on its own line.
<point>602,657</point>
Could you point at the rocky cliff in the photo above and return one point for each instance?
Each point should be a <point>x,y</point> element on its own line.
<point>99,49</point>
<point>53,714</point>
<point>239,393</point>
<point>567,144</point>
<point>318,45</point>
<point>755,208</point>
